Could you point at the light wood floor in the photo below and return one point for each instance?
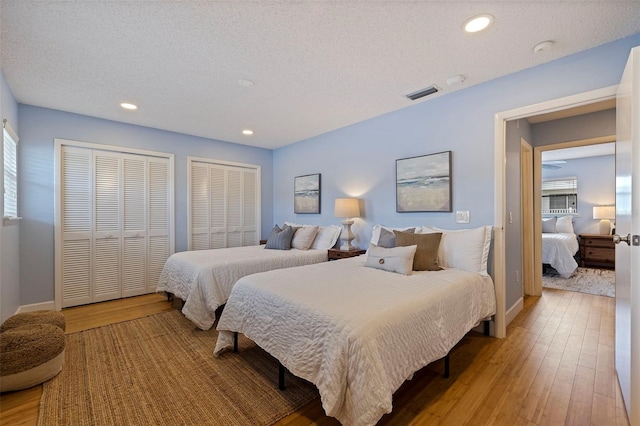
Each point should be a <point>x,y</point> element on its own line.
<point>555,367</point>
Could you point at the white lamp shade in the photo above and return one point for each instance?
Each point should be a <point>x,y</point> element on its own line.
<point>604,212</point>
<point>347,207</point>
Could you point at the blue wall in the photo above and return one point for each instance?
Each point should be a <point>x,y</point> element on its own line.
<point>596,187</point>
<point>39,128</point>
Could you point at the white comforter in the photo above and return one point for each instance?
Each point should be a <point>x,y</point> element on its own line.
<point>558,251</point>
<point>204,278</point>
<point>357,333</point>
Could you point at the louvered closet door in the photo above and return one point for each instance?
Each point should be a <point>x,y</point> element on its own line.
<point>234,208</point>
<point>217,207</point>
<point>134,232</point>
<point>107,232</point>
<point>199,206</point>
<point>158,219</point>
<point>76,206</point>
<point>224,206</point>
<point>249,208</point>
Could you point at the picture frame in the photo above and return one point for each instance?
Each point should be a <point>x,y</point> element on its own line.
<point>306,194</point>
<point>423,183</point>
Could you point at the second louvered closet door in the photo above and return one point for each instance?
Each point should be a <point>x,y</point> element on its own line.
<point>224,205</point>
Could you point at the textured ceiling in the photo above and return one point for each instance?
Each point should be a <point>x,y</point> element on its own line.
<point>316,66</point>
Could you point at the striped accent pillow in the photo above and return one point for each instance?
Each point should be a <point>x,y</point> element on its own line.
<point>280,239</point>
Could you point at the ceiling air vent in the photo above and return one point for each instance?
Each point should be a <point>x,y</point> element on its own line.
<point>422,93</point>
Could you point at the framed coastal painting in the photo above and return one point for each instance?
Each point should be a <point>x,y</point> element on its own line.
<point>306,194</point>
<point>423,184</point>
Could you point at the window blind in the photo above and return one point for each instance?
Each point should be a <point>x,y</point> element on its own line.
<point>10,149</point>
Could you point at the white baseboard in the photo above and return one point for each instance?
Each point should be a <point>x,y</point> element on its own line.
<point>50,306</point>
<point>514,310</point>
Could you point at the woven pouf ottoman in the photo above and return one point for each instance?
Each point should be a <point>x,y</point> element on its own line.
<point>35,317</point>
<point>29,355</point>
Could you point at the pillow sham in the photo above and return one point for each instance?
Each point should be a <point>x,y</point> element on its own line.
<point>426,257</point>
<point>466,249</point>
<point>549,225</point>
<point>564,225</point>
<point>397,259</point>
<point>280,239</point>
<point>303,237</point>
<point>326,237</point>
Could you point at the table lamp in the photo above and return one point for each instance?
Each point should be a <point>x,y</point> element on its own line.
<point>604,213</point>
<point>347,208</point>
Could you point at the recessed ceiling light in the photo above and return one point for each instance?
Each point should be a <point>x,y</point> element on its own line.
<point>127,105</point>
<point>245,83</point>
<point>247,132</point>
<point>478,23</point>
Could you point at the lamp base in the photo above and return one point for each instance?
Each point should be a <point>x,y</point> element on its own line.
<point>347,236</point>
<point>605,227</point>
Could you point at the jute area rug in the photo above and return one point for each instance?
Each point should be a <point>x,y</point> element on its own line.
<point>160,370</point>
<point>585,280</point>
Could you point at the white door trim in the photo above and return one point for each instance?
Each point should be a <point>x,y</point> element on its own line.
<point>500,120</point>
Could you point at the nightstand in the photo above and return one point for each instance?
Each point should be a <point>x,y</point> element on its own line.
<point>597,250</point>
<point>335,254</point>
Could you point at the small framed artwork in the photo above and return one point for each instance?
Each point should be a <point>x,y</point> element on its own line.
<point>306,194</point>
<point>423,184</point>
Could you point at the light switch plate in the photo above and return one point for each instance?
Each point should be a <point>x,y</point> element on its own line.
<point>462,216</point>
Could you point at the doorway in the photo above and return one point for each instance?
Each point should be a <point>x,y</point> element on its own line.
<point>578,181</point>
<point>509,294</point>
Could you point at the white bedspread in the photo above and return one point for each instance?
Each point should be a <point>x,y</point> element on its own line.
<point>204,278</point>
<point>357,333</point>
<point>558,251</point>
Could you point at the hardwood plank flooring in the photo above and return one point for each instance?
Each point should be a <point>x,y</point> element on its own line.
<point>555,367</point>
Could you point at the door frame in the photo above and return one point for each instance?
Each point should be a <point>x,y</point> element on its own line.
<point>500,193</point>
<point>526,211</point>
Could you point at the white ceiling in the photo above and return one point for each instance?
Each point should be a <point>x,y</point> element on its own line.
<point>316,66</point>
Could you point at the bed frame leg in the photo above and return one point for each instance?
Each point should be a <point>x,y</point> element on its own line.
<point>280,376</point>
<point>446,367</point>
<point>235,341</point>
<point>487,328</point>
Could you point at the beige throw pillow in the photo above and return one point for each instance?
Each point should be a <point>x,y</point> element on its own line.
<point>303,238</point>
<point>426,258</point>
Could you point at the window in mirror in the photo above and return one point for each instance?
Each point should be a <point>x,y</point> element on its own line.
<point>560,196</point>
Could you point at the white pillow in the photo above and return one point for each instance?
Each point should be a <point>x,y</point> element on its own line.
<point>466,249</point>
<point>375,234</point>
<point>397,259</point>
<point>549,225</point>
<point>303,238</point>
<point>564,225</point>
<point>326,236</point>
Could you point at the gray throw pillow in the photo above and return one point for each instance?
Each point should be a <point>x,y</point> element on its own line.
<point>388,239</point>
<point>280,239</point>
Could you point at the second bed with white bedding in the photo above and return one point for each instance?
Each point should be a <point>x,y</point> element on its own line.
<point>558,250</point>
<point>204,278</point>
<point>356,332</point>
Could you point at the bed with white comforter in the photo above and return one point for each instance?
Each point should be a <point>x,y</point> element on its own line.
<point>356,332</point>
<point>203,279</point>
<point>558,250</point>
